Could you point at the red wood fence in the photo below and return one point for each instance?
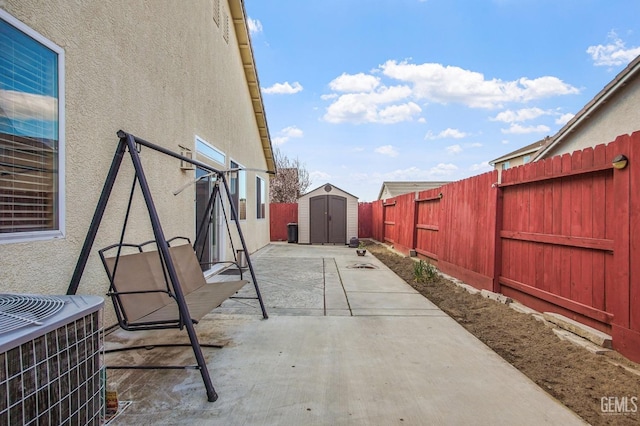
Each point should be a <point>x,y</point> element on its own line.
<point>559,235</point>
<point>281,214</point>
<point>365,220</point>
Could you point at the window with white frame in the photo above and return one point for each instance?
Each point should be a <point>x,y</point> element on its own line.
<point>261,198</point>
<point>205,148</point>
<point>505,165</point>
<point>31,134</point>
<point>238,189</point>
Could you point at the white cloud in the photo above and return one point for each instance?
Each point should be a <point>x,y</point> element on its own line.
<point>614,53</point>
<point>524,114</point>
<point>415,173</point>
<point>564,118</point>
<point>28,106</point>
<point>387,150</point>
<point>292,132</point>
<point>373,107</point>
<point>319,176</point>
<point>287,133</point>
<point>398,113</point>
<point>283,89</point>
<point>449,84</point>
<point>443,169</point>
<point>454,149</point>
<point>518,129</point>
<point>475,145</point>
<point>481,167</point>
<point>363,98</point>
<point>255,26</point>
<point>448,133</point>
<point>354,83</point>
<point>410,174</point>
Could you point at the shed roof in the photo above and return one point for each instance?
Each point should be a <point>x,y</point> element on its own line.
<point>396,188</point>
<point>322,186</point>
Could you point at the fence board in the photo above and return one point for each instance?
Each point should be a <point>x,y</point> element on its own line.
<point>404,228</point>
<point>377,216</point>
<point>634,232</point>
<point>599,222</point>
<point>547,227</point>
<point>427,223</point>
<point>469,217</point>
<point>389,220</point>
<point>620,297</point>
<point>365,220</point>
<point>280,215</point>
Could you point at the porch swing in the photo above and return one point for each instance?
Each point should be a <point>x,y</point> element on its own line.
<point>159,284</point>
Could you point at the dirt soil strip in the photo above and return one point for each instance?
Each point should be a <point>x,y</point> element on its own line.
<point>588,384</point>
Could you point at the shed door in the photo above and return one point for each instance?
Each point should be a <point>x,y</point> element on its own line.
<point>327,219</point>
<point>337,219</point>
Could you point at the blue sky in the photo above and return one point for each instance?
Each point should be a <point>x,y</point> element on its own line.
<point>367,91</point>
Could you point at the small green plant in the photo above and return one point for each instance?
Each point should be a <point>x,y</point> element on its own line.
<point>362,245</point>
<point>424,272</point>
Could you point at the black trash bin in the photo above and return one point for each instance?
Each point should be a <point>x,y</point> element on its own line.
<point>292,232</point>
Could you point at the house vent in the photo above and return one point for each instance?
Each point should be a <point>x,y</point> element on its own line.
<point>216,12</point>
<point>225,28</point>
<point>20,310</point>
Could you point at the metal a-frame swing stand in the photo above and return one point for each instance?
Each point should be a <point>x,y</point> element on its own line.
<point>133,144</point>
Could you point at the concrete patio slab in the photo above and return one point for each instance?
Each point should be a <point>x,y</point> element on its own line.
<point>388,358</point>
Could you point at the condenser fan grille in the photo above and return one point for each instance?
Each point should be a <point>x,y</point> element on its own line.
<point>19,310</point>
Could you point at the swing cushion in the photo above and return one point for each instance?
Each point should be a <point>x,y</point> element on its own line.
<point>143,272</point>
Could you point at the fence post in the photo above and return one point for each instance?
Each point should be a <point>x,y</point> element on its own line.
<point>497,245</point>
<point>414,226</point>
<point>618,297</point>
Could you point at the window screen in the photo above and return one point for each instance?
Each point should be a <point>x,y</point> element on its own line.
<point>261,198</point>
<point>29,132</point>
<point>238,189</point>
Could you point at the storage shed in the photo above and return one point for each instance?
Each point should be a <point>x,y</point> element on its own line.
<point>327,215</point>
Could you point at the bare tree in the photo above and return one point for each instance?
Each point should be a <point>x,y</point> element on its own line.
<point>290,181</point>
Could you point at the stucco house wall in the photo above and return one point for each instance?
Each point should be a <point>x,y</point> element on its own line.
<point>612,112</point>
<point>164,72</point>
<point>618,116</point>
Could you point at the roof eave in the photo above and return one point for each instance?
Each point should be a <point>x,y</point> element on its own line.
<point>511,156</point>
<point>238,14</point>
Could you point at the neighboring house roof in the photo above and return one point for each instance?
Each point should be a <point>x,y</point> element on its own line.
<point>596,103</point>
<point>399,188</point>
<point>322,186</point>
<point>239,17</point>
<point>529,149</point>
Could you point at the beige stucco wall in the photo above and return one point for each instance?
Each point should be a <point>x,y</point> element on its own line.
<point>619,115</point>
<point>157,69</point>
<point>513,162</point>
